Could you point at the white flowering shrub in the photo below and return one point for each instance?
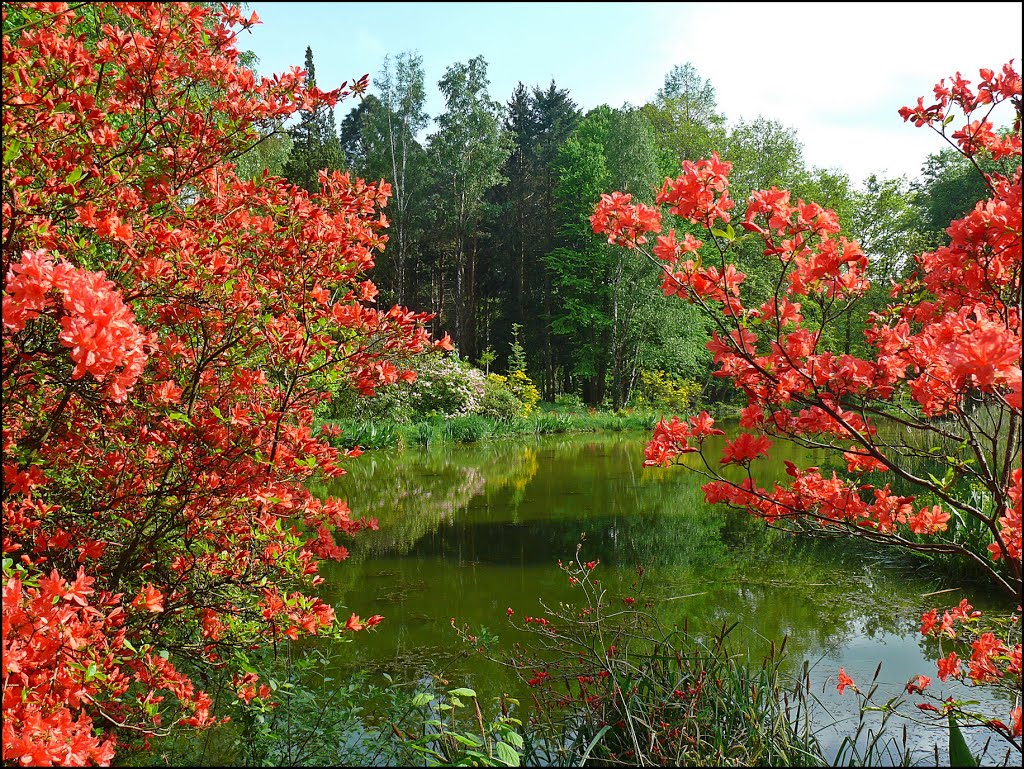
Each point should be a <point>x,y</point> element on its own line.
<point>446,385</point>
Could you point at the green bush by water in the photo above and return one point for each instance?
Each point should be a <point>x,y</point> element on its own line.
<point>468,429</point>
<point>373,435</point>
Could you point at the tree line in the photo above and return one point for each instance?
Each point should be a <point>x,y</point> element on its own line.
<point>489,216</point>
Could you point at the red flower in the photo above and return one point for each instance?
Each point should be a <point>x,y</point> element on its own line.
<point>844,681</point>
<point>701,426</point>
<point>745,448</point>
<point>918,684</point>
<point>151,599</point>
<point>949,666</point>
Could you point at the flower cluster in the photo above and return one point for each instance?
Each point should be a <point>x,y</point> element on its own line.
<point>951,337</point>
<point>167,332</point>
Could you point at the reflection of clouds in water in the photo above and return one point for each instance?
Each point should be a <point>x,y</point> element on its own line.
<point>513,508</point>
<point>903,658</point>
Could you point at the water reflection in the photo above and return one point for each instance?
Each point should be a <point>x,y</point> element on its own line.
<point>467,531</point>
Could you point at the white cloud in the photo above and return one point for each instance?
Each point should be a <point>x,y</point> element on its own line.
<point>838,72</point>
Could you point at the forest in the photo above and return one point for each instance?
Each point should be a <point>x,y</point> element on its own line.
<point>489,219</point>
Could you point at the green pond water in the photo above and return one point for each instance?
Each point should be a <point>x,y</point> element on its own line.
<point>469,531</point>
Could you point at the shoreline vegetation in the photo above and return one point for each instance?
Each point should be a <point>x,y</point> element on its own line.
<point>372,435</point>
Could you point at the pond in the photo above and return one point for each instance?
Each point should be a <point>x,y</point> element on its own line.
<point>467,532</point>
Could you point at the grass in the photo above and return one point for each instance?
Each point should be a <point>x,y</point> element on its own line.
<point>373,435</point>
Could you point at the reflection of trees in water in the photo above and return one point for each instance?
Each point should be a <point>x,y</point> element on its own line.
<point>459,518</point>
<point>412,493</point>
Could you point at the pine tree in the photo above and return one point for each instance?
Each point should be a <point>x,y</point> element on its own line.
<point>315,144</point>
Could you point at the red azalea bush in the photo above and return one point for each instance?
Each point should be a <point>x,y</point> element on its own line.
<point>168,332</point>
<point>943,380</point>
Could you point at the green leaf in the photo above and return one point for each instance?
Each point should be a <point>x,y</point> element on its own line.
<point>515,738</point>
<point>457,702</point>
<point>462,692</point>
<point>468,739</point>
<point>593,742</point>
<point>420,700</point>
<point>959,753</point>
<point>13,151</point>
<point>507,754</point>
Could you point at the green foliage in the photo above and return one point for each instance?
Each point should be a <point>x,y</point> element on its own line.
<point>685,118</point>
<point>959,753</point>
<point>425,433</point>
<point>522,222</point>
<point>522,387</point>
<point>517,353</point>
<point>467,154</point>
<point>499,402</point>
<point>611,685</point>
<point>268,154</point>
<point>569,401</point>
<point>659,391</point>
<point>467,429</point>
<point>455,735</point>
<point>308,717</point>
<point>599,310</point>
<point>387,139</point>
<point>315,144</point>
<point>949,187</point>
<point>389,403</point>
<point>487,357</point>
<point>546,424</point>
<point>368,435</point>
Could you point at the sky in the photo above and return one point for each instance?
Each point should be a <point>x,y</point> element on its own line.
<point>836,72</point>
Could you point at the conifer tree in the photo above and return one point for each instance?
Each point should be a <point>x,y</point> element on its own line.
<point>315,144</point>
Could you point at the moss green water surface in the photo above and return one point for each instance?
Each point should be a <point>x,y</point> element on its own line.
<point>467,532</point>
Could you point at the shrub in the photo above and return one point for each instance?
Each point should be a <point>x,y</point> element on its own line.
<point>942,359</point>
<point>499,402</point>
<point>168,332</point>
<point>446,385</point>
<point>660,391</point>
<point>569,401</point>
<point>525,391</point>
<point>467,429</point>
